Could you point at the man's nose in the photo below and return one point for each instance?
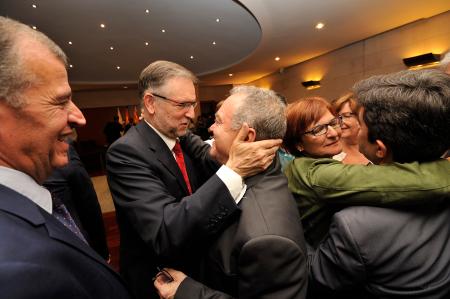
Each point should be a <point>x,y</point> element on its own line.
<point>76,117</point>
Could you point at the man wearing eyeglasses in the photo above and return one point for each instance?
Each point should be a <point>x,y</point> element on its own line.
<point>401,248</point>
<point>155,172</point>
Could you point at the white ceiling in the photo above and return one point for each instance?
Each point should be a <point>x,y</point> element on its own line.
<point>249,35</point>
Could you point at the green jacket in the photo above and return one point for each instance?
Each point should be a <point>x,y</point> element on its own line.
<point>324,186</point>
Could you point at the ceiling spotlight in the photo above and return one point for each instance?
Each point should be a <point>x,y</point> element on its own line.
<point>118,67</point>
<point>192,57</point>
<point>311,84</point>
<point>34,6</point>
<point>217,20</point>
<point>71,65</point>
<point>163,30</point>
<point>69,42</point>
<point>34,27</point>
<point>147,11</point>
<point>102,25</point>
<point>146,43</point>
<point>230,75</point>
<point>111,48</point>
<point>277,58</point>
<point>213,43</point>
<point>320,25</point>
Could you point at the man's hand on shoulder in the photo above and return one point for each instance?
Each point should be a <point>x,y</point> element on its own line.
<point>249,158</point>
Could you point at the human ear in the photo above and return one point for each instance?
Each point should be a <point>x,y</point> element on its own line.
<point>382,151</point>
<point>149,103</point>
<point>251,135</point>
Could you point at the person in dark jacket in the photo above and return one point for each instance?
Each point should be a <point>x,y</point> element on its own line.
<point>402,252</point>
<point>74,187</point>
<point>262,254</point>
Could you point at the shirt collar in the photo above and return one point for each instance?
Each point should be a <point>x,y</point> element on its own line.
<point>27,186</point>
<point>168,141</point>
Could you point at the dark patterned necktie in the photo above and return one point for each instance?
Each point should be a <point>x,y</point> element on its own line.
<point>62,214</point>
<point>180,161</point>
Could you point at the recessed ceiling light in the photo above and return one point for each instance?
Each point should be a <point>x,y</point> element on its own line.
<point>217,20</point>
<point>192,57</point>
<point>320,25</point>
<point>118,67</point>
<point>163,30</point>
<point>102,25</point>
<point>34,27</point>
<point>277,58</point>
<point>34,6</point>
<point>71,65</point>
<point>69,42</point>
<point>111,48</point>
<point>147,11</point>
<point>146,43</point>
<point>230,75</point>
<point>213,43</point>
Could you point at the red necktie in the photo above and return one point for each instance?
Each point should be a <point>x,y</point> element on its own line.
<point>180,161</point>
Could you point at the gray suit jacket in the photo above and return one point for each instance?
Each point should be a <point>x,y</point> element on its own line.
<point>160,225</point>
<point>262,254</point>
<point>389,253</point>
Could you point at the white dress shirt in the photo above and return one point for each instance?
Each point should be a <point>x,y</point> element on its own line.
<point>27,186</point>
<point>229,177</point>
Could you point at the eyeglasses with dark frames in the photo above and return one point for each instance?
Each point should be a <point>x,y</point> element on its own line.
<point>165,274</point>
<point>335,123</point>
<point>347,115</point>
<point>179,105</point>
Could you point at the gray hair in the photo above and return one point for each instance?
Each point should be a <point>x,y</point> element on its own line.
<point>157,73</point>
<point>14,73</point>
<point>409,111</point>
<point>263,110</point>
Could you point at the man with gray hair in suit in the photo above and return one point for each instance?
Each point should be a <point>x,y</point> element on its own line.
<point>262,253</point>
<point>42,253</point>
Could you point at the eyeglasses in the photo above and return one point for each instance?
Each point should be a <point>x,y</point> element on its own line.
<point>347,115</point>
<point>179,105</point>
<point>318,130</point>
<point>165,274</point>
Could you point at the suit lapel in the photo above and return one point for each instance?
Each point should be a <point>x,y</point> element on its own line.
<point>22,207</point>
<point>162,152</point>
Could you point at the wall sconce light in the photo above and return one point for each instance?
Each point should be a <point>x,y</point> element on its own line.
<point>422,61</point>
<point>311,84</point>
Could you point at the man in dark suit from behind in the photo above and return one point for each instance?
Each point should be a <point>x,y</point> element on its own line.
<point>39,256</point>
<point>167,213</point>
<point>262,253</point>
<point>402,252</point>
<point>74,187</point>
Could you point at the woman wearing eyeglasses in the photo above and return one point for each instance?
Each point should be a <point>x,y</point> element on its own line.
<point>345,107</point>
<point>313,132</point>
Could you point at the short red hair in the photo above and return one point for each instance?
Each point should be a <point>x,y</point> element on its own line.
<point>300,115</point>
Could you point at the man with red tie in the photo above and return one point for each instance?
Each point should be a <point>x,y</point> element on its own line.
<point>170,196</point>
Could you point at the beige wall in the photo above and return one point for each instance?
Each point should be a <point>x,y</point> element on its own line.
<point>340,69</point>
<point>337,70</point>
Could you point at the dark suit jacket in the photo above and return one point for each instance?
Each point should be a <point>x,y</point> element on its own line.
<point>262,254</point>
<point>160,225</point>
<point>74,188</point>
<point>389,253</point>
<point>40,258</point>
